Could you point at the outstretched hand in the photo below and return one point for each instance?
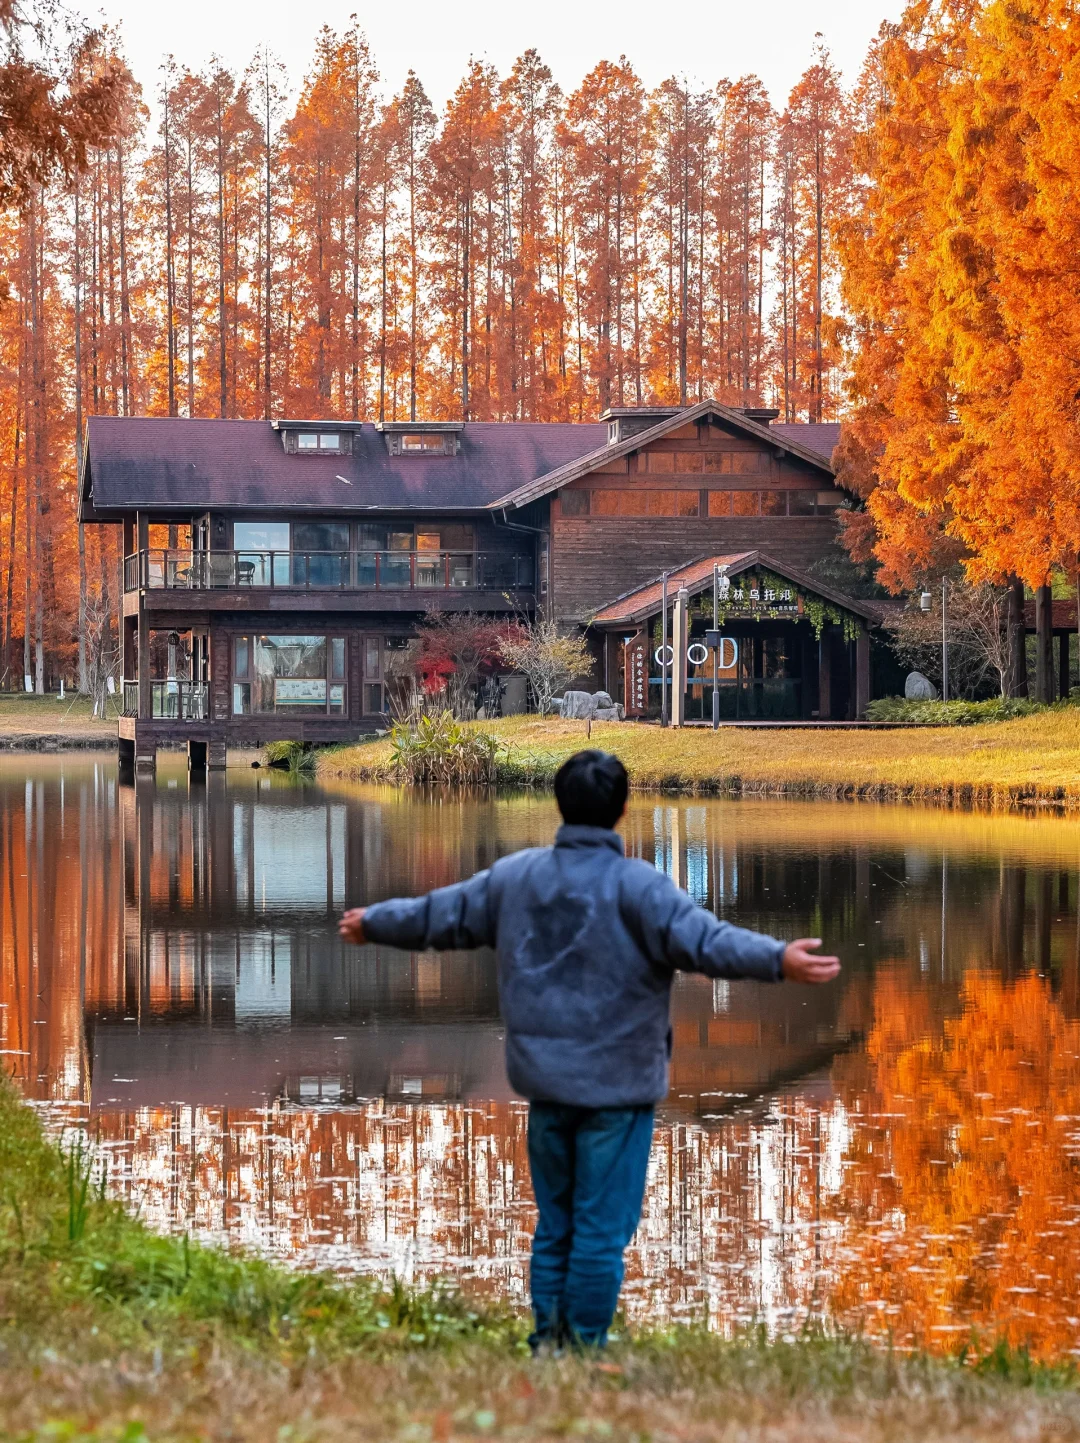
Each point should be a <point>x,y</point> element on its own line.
<point>801,962</point>
<point>351,926</point>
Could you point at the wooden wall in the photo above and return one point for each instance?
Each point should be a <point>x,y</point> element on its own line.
<point>598,556</point>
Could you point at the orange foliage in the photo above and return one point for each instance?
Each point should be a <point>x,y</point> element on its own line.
<point>530,256</point>
<point>959,274</point>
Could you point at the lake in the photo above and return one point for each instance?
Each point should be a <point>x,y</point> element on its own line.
<point>899,1151</point>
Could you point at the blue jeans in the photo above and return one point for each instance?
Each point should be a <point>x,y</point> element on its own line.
<point>588,1173</point>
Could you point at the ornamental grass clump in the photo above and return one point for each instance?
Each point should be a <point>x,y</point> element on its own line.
<point>439,751</point>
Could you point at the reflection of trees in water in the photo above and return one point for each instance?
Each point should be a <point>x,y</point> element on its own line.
<point>961,1199</point>
<point>732,1226</point>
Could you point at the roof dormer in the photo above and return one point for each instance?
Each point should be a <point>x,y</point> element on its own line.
<point>421,438</point>
<point>317,438</point>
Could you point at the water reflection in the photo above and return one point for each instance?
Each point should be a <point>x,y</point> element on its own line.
<point>900,1150</point>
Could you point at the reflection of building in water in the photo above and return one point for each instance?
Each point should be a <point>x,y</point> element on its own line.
<point>171,954</point>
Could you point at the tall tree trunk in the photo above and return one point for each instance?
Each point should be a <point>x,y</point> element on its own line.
<point>170,259</point>
<point>1018,681</point>
<point>78,438</point>
<point>1044,645</point>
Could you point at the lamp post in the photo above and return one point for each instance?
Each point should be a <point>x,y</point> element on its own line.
<point>716,649</point>
<point>663,654</point>
<point>944,640</point>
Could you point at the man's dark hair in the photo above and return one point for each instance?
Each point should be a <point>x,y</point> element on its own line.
<point>590,788</point>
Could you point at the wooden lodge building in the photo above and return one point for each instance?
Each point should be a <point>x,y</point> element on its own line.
<point>272,568</point>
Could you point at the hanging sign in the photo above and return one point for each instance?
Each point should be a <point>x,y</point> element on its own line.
<point>757,596</point>
<point>636,676</point>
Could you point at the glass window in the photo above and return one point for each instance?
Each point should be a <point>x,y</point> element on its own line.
<point>458,537</point>
<point>774,503</point>
<point>574,503</point>
<point>800,503</point>
<point>337,700</point>
<point>372,538</point>
<point>686,503</point>
<point>662,462</point>
<point>605,503</point>
<point>320,536</point>
<point>241,694</point>
<point>372,656</point>
<point>261,536</point>
<point>423,441</point>
<point>289,674</point>
<point>330,442</point>
<point>428,541</point>
<point>337,656</point>
<point>719,503</point>
<point>372,698</point>
<point>320,553</point>
<point>744,503</point>
<point>241,655</point>
<point>689,462</point>
<point>307,441</point>
<point>829,500</point>
<point>262,552</point>
<point>399,541</point>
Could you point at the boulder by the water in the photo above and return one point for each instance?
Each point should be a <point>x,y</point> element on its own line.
<point>919,688</point>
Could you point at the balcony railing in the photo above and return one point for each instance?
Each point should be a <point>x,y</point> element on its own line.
<point>160,570</point>
<point>171,700</point>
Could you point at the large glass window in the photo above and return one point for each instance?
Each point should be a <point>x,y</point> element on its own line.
<point>262,552</point>
<point>288,675</point>
<point>320,553</point>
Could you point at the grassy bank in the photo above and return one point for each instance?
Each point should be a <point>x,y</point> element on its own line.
<point>110,1333</point>
<point>22,714</point>
<point>1029,760</point>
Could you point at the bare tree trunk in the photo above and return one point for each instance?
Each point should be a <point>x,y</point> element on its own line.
<point>1018,684</point>
<point>1044,645</point>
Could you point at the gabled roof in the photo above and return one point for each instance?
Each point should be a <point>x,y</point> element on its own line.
<point>781,439</point>
<point>697,576</point>
<point>168,464</point>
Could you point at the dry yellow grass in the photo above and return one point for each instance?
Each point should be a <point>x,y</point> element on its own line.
<point>1030,760</point>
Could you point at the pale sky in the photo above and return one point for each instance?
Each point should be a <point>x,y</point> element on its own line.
<point>703,39</point>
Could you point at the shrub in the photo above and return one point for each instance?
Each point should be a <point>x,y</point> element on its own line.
<point>297,758</point>
<point>949,713</point>
<point>439,750</point>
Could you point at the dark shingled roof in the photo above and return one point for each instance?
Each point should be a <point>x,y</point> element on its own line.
<point>170,463</point>
<point>157,463</point>
<point>823,438</point>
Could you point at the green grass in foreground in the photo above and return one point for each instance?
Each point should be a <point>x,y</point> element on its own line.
<point>108,1332</point>
<point>1032,758</point>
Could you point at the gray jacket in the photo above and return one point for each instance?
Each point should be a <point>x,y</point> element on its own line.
<point>588,941</point>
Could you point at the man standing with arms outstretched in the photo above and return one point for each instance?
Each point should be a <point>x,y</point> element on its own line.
<point>588,943</point>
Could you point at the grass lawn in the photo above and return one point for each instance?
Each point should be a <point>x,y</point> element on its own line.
<point>108,1332</point>
<point>1034,758</point>
<point>27,714</point>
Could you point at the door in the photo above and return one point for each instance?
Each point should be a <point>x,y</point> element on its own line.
<point>373,675</point>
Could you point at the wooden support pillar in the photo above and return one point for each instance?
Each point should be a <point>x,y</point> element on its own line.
<point>216,758</point>
<point>862,673</point>
<point>1063,666</point>
<point>825,674</point>
<point>1044,645</point>
<point>1018,682</point>
<point>680,630</point>
<point>142,662</point>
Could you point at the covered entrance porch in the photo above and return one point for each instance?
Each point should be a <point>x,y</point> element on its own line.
<point>773,644</point>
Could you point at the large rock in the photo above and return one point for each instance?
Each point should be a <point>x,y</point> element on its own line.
<point>578,705</point>
<point>919,688</point>
<point>583,706</point>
